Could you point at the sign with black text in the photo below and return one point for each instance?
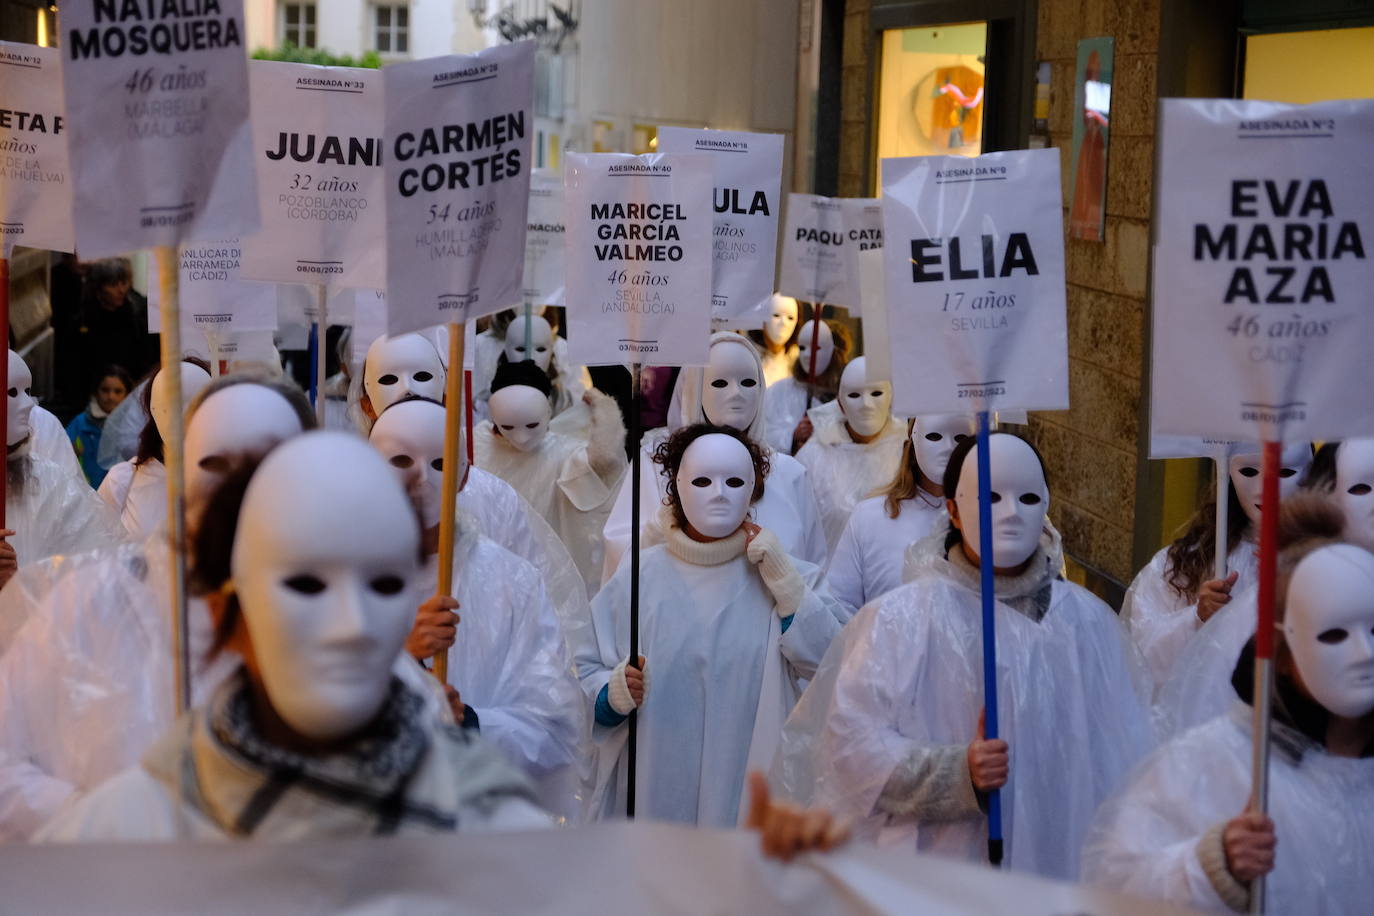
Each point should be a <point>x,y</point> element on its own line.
<point>213,295</point>
<point>157,108</point>
<point>35,188</point>
<point>638,258</point>
<point>821,245</point>
<point>1262,273</point>
<point>458,137</point>
<point>974,265</point>
<point>544,240</point>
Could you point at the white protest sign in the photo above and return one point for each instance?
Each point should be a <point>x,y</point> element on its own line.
<point>821,245</point>
<point>638,258</point>
<point>544,240</point>
<point>975,282</point>
<point>317,138</point>
<point>35,190</point>
<point>1262,278</point>
<point>213,295</point>
<point>747,194</point>
<point>157,109</point>
<point>873,299</point>
<point>458,136</point>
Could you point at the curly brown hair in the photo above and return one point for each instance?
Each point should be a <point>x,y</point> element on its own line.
<point>669,454</point>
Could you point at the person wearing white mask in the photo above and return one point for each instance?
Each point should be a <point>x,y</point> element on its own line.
<point>890,731</point>
<point>93,651</point>
<point>1177,592</point>
<point>407,365</point>
<point>728,623</point>
<point>854,451</point>
<point>137,489</point>
<point>777,342</point>
<point>509,659</point>
<point>48,509</point>
<point>566,386</point>
<point>869,557</point>
<point>43,427</point>
<point>1183,830</point>
<point>315,710</point>
<point>788,399</point>
<point>728,391</point>
<point>571,483</point>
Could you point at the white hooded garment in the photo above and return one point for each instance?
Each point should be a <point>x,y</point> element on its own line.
<point>843,472</point>
<point>1198,686</point>
<point>784,404</point>
<point>49,441</point>
<point>905,679</point>
<point>1162,621</point>
<point>723,678</point>
<point>510,663</point>
<point>1146,840</point>
<point>54,512</point>
<point>869,558</point>
<point>138,495</point>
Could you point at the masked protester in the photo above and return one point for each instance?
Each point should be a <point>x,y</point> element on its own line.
<point>137,489</point>
<point>854,451</point>
<point>1177,593</point>
<point>568,410</point>
<point>571,483</point>
<point>728,623</point>
<point>789,426</point>
<point>49,508</point>
<point>869,557</point>
<point>777,342</point>
<point>890,731</point>
<point>509,659</point>
<point>407,365</point>
<point>93,651</point>
<point>1183,830</point>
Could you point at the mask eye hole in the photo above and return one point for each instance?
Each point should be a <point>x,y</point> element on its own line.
<point>960,437</point>
<point>423,376</point>
<point>387,585</point>
<point>718,383</point>
<point>702,482</point>
<point>748,383</point>
<point>215,464</point>
<point>1359,489</point>
<point>1332,637</point>
<point>854,394</point>
<point>531,426</point>
<point>876,394</point>
<point>933,437</point>
<point>305,584</point>
<point>995,497</point>
<point>402,461</point>
<point>437,464</point>
<point>541,349</point>
<point>14,392</point>
<point>508,426</point>
<point>519,349</point>
<point>734,482</point>
<point>1249,472</point>
<point>1287,472</point>
<point>388,379</point>
<point>1030,499</point>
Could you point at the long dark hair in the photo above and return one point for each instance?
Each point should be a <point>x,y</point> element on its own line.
<point>1189,561</point>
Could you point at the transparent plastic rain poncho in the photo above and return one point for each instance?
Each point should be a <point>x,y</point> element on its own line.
<point>119,437</point>
<point>87,683</point>
<point>1162,621</point>
<point>48,440</point>
<point>511,664</point>
<point>1198,687</point>
<point>571,483</point>
<point>723,674</point>
<point>843,472</point>
<point>784,402</point>
<point>905,678</point>
<point>137,494</point>
<point>570,415</point>
<point>53,511</point>
<point>870,556</point>
<point>1145,840</point>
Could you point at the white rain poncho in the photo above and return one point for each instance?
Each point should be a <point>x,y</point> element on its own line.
<point>1198,687</point>
<point>137,493</point>
<point>53,511</point>
<point>48,440</point>
<point>1162,621</point>
<point>778,366</point>
<point>902,686</point>
<point>87,684</point>
<point>869,558</point>
<point>723,680</point>
<point>119,437</point>
<point>1146,841</point>
<point>570,483</point>
<point>511,664</point>
<point>843,472</point>
<point>570,415</point>
<point>784,403</point>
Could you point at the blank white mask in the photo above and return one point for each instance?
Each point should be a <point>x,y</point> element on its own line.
<point>1249,482</point>
<point>193,379</point>
<point>521,414</point>
<point>715,483</point>
<point>825,346</point>
<point>1020,500</point>
<point>731,386</point>
<point>541,342</point>
<point>241,421</point>
<point>1329,627</point>
<point>325,564</point>
<point>867,406</point>
<point>934,436</point>
<point>400,366</point>
<point>410,436</point>
<point>1355,489</point>
<point>20,403</point>
<point>782,318</point>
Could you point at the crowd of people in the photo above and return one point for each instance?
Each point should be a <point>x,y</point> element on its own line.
<point>810,648</point>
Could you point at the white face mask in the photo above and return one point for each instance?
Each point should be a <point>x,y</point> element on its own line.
<point>731,386</point>
<point>521,414</point>
<point>715,483</point>
<point>867,406</point>
<point>327,609</point>
<point>1329,627</point>
<point>541,342</point>
<point>410,436</point>
<point>934,437</point>
<point>1020,500</point>
<point>238,422</point>
<point>1355,489</point>
<point>20,402</point>
<point>825,347</point>
<point>193,379</point>
<point>401,366</point>
<point>1249,482</point>
<point>782,318</point>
